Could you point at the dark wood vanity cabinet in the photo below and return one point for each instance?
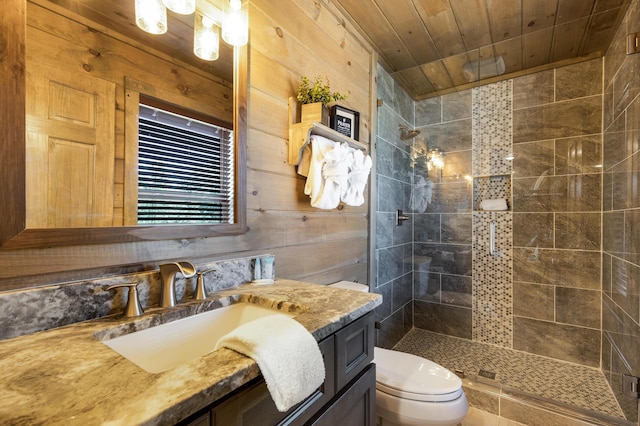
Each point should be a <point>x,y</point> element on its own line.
<point>347,395</point>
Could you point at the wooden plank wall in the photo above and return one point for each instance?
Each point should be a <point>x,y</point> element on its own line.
<point>289,39</point>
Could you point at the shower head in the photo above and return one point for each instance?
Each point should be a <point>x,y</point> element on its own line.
<point>407,133</point>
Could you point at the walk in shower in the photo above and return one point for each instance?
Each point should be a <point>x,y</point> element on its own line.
<point>527,294</point>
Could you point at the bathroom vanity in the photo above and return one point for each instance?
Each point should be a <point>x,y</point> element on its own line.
<point>347,395</point>
<point>68,376</point>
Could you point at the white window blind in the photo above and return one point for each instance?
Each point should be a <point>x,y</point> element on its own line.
<point>185,169</point>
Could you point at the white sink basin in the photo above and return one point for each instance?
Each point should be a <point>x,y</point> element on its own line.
<point>169,345</point>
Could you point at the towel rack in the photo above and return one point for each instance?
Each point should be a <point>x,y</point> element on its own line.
<point>299,134</point>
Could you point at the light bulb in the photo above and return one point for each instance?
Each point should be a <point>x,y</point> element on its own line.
<point>206,38</point>
<point>151,16</point>
<point>235,24</point>
<point>182,7</point>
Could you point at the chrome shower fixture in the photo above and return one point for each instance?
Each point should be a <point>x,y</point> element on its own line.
<point>407,133</point>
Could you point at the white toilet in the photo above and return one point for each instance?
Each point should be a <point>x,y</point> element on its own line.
<point>411,390</point>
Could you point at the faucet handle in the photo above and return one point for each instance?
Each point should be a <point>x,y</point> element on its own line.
<point>133,307</point>
<point>201,291</point>
<point>187,269</point>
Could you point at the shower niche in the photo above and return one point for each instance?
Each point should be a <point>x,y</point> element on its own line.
<point>491,187</point>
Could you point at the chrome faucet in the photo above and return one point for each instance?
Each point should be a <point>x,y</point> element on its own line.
<point>168,273</point>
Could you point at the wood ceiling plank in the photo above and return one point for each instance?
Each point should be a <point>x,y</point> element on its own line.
<point>567,39</point>
<point>602,5</point>
<point>473,22</point>
<point>437,75</point>
<point>537,48</point>
<point>403,17</point>
<point>505,18</point>
<point>570,10</point>
<point>416,83</point>
<point>440,22</point>
<point>380,32</point>
<point>538,14</point>
<point>511,52</point>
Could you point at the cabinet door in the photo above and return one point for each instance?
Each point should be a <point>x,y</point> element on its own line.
<point>203,420</point>
<point>356,406</point>
<point>354,349</point>
<point>253,406</point>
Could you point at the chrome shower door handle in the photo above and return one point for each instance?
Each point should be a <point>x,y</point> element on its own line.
<point>492,238</point>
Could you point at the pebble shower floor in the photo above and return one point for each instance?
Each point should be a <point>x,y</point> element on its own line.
<point>583,387</point>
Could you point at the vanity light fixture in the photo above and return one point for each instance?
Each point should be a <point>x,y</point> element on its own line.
<point>235,24</point>
<point>151,16</point>
<point>182,7</point>
<point>206,37</point>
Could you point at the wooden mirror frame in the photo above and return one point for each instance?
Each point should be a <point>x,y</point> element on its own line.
<point>13,231</point>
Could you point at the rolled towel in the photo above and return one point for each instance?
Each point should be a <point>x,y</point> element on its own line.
<point>314,185</point>
<point>358,176</point>
<point>335,173</point>
<point>287,354</point>
<point>494,204</point>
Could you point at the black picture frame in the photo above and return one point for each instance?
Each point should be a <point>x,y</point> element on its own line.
<point>345,121</point>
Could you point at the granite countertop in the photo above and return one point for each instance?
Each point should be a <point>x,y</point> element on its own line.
<point>66,376</point>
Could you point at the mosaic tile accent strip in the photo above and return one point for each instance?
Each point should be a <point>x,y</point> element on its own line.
<point>492,117</point>
<point>491,187</point>
<point>575,385</point>
<point>492,124</point>
<point>493,279</point>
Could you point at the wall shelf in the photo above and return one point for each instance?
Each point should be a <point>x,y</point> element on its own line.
<point>299,134</point>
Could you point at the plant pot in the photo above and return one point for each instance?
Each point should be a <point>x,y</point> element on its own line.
<point>316,112</point>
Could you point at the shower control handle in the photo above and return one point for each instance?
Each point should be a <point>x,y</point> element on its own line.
<point>400,217</point>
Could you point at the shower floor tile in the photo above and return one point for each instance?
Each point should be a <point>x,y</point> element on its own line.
<point>559,381</point>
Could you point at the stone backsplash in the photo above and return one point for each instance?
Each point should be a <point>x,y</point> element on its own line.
<point>42,308</point>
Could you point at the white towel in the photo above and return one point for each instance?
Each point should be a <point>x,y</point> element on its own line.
<point>287,354</point>
<point>315,182</point>
<point>358,175</point>
<point>494,204</point>
<point>335,172</point>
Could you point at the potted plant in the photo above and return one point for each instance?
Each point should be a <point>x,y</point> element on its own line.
<point>315,98</point>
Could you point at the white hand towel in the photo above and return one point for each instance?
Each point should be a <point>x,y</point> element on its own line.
<point>335,173</point>
<point>287,354</point>
<point>358,175</point>
<point>319,147</point>
<point>494,204</point>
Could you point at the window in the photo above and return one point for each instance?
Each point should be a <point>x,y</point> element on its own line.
<point>185,167</point>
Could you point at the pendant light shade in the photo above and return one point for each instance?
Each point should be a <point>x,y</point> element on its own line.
<point>182,7</point>
<point>151,16</point>
<point>206,38</point>
<point>235,26</point>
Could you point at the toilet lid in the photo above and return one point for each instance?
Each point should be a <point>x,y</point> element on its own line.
<point>412,377</point>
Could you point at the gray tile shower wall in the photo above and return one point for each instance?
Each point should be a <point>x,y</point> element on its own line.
<point>621,213</point>
<point>557,215</point>
<point>442,288</point>
<point>394,174</point>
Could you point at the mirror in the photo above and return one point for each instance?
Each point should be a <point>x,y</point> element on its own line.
<point>98,41</point>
